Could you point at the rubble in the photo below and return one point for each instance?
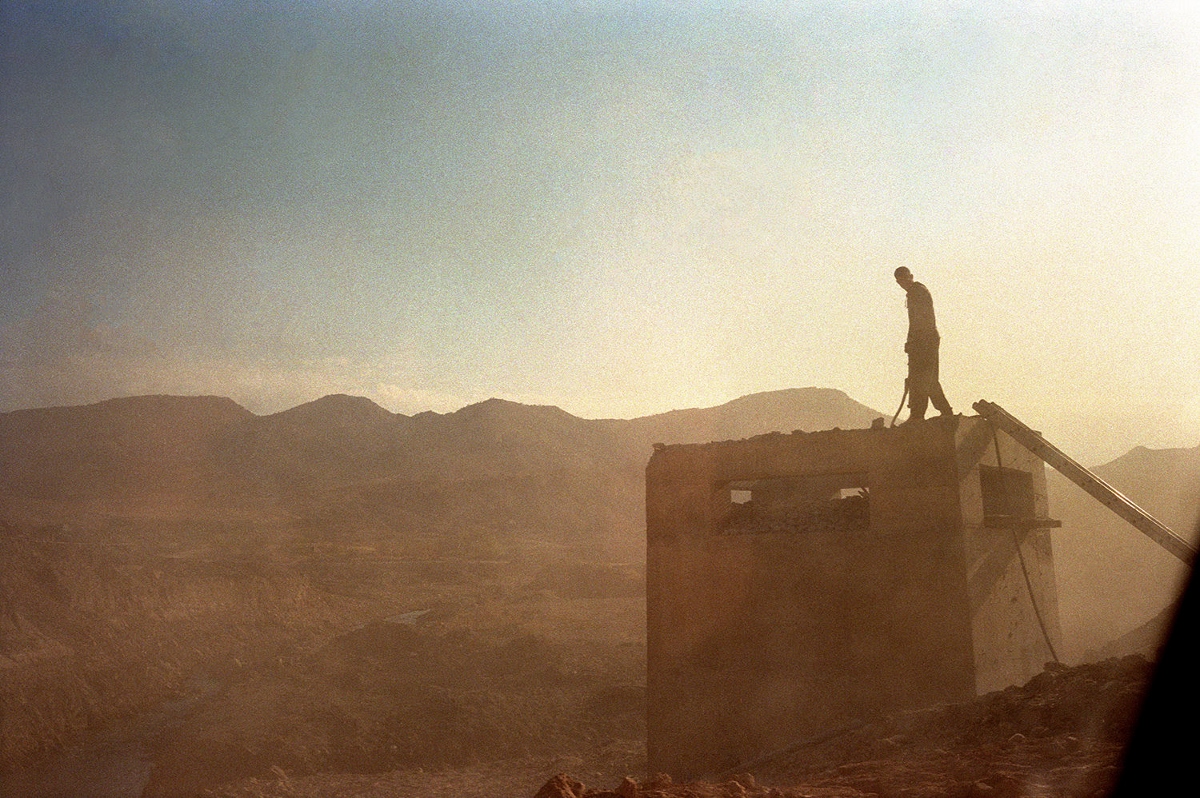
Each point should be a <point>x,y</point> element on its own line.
<point>849,514</point>
<point>1061,735</point>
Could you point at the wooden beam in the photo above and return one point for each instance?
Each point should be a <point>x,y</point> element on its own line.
<point>1100,490</point>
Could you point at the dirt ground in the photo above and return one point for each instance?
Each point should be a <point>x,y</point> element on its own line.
<point>169,671</point>
<point>1059,736</point>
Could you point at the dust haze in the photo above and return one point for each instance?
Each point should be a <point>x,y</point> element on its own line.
<point>335,341</point>
<point>199,598</point>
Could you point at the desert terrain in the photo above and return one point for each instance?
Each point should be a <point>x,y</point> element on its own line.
<point>338,600</point>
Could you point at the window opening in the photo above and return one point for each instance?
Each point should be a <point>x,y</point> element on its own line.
<point>1007,492</point>
<point>819,503</point>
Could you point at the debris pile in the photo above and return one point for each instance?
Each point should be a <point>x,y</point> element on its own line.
<point>1059,735</point>
<point>852,513</point>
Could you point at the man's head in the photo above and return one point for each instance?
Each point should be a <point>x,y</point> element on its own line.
<point>903,277</point>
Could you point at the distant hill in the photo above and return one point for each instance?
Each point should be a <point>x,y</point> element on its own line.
<point>474,478</point>
<point>805,409</point>
<point>1146,639</point>
<point>1112,579</point>
<point>493,476</point>
<point>115,453</point>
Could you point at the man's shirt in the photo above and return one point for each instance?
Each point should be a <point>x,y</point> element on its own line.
<point>921,322</point>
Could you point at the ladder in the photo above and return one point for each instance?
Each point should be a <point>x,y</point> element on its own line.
<point>1100,490</point>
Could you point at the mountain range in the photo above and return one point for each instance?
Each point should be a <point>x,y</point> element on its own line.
<point>343,465</point>
<point>490,479</point>
<point>1112,580</point>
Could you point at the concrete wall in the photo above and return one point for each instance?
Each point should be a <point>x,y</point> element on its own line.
<point>759,636</point>
<point>1010,646</point>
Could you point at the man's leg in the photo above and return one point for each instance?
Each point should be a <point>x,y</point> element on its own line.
<point>919,377</point>
<point>939,400</point>
<point>935,391</point>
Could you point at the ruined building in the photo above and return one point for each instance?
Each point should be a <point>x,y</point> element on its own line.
<point>799,582</point>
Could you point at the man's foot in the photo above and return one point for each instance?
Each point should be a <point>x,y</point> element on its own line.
<point>949,412</point>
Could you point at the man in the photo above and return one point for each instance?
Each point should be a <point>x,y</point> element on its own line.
<point>922,349</point>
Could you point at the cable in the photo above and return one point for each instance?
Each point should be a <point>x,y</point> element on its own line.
<point>1017,544</point>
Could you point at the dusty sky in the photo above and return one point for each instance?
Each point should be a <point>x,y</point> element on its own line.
<point>616,208</point>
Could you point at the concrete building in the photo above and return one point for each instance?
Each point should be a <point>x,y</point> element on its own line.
<point>798,582</point>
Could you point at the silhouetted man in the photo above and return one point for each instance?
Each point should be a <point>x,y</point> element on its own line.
<point>922,349</point>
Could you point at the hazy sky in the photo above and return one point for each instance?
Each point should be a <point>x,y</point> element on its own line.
<point>616,208</point>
